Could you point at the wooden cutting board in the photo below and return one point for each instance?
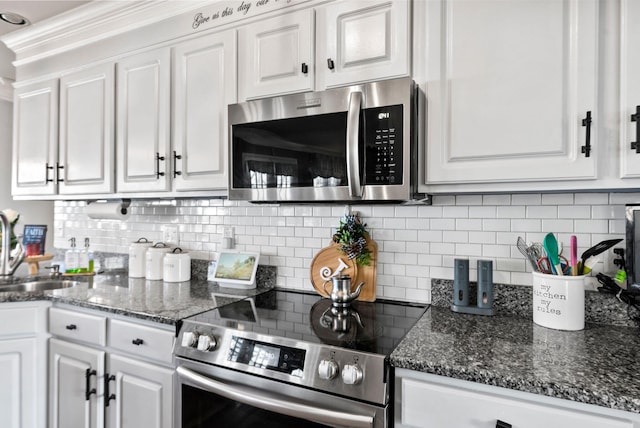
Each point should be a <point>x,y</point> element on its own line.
<point>325,263</point>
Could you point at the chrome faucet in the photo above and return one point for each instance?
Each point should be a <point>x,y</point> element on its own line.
<point>9,264</point>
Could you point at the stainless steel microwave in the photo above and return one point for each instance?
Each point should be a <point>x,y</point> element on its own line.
<point>351,144</point>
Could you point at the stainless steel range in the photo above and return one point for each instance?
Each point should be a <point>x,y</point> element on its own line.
<point>285,358</point>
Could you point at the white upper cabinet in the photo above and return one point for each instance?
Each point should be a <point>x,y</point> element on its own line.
<point>511,90</point>
<point>275,56</point>
<point>143,121</point>
<point>362,41</point>
<point>204,83</point>
<point>86,145</point>
<point>35,139</point>
<point>630,90</point>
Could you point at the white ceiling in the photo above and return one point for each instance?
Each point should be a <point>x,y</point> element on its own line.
<point>35,11</point>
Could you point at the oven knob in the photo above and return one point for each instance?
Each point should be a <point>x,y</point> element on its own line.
<point>206,343</point>
<point>190,339</point>
<point>352,374</point>
<point>327,369</point>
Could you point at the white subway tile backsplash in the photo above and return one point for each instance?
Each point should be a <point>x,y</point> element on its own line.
<point>526,199</point>
<point>574,211</point>
<point>496,200</point>
<point>557,199</point>
<point>542,211</point>
<point>415,243</point>
<point>591,198</point>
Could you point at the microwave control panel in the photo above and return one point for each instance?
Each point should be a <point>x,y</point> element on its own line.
<point>383,145</point>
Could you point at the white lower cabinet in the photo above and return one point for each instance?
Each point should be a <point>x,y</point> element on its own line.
<point>140,394</point>
<point>75,390</point>
<point>126,382</point>
<point>426,400</point>
<point>22,373</point>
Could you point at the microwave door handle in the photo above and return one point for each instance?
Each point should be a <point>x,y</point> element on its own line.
<point>271,403</point>
<point>353,138</point>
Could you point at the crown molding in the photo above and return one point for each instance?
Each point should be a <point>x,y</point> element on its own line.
<point>90,23</point>
<point>6,89</point>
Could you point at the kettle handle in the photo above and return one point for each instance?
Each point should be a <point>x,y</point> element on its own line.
<point>324,286</point>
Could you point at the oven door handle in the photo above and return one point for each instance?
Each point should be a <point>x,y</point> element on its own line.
<point>276,405</point>
<point>353,139</point>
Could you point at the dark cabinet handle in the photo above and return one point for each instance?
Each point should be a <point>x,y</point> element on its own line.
<point>305,68</point>
<point>586,149</point>
<point>502,424</point>
<point>46,176</point>
<point>158,159</point>
<point>71,327</point>
<point>58,174</point>
<point>330,64</point>
<point>87,379</point>
<point>137,342</point>
<point>108,378</point>
<point>636,118</point>
<point>176,156</point>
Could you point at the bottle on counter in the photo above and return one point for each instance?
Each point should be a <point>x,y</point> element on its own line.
<point>72,258</point>
<point>90,258</point>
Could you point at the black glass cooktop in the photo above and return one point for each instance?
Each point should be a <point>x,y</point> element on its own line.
<point>374,327</point>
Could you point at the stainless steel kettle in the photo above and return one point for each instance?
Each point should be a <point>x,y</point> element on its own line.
<point>341,294</point>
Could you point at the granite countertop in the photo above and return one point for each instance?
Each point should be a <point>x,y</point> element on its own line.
<point>157,301</point>
<point>597,365</point>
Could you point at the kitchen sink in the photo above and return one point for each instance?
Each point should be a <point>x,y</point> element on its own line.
<point>39,285</point>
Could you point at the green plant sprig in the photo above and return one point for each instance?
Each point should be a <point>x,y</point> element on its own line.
<point>352,236</point>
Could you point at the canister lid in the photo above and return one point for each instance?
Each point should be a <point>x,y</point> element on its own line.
<point>142,241</point>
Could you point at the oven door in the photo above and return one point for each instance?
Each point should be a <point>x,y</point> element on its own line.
<point>210,396</point>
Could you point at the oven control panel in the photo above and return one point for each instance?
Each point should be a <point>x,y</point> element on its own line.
<point>340,371</point>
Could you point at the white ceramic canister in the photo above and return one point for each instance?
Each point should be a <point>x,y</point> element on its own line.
<point>137,257</point>
<point>154,260</point>
<point>177,266</point>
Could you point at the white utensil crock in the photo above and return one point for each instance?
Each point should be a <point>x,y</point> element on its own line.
<point>137,257</point>
<point>154,260</point>
<point>177,266</point>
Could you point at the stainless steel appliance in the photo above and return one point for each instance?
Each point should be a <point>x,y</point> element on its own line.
<point>289,359</point>
<point>632,252</point>
<point>356,143</point>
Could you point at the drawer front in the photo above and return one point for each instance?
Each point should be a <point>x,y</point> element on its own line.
<point>141,340</point>
<point>425,405</point>
<point>20,320</point>
<point>78,326</point>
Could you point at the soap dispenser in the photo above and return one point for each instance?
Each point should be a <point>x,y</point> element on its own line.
<point>90,256</point>
<point>71,258</point>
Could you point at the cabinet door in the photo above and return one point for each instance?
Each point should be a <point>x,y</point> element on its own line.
<point>273,53</point>
<point>142,141</point>
<point>138,386</point>
<point>35,139</point>
<point>69,365</point>
<point>18,389</point>
<point>86,131</point>
<point>204,83</point>
<point>630,89</point>
<point>509,86</point>
<point>363,41</point>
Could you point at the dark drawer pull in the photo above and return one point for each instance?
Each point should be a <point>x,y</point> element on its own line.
<point>87,378</point>
<point>502,424</point>
<point>586,122</point>
<point>71,327</point>
<point>158,160</point>
<point>330,64</point>
<point>137,342</point>
<point>107,395</point>
<point>305,68</point>
<point>635,145</point>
